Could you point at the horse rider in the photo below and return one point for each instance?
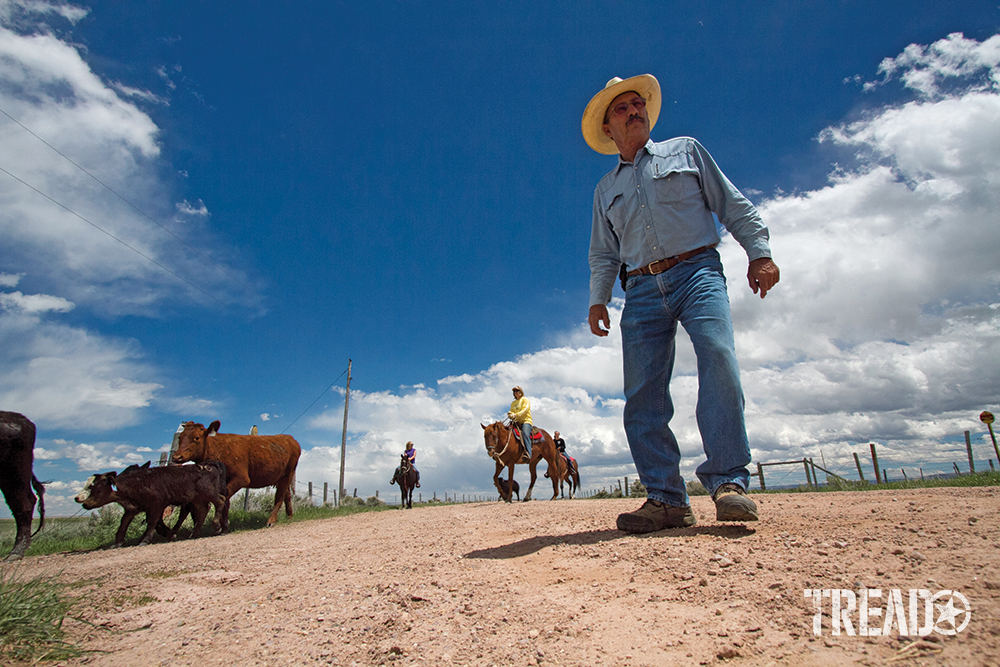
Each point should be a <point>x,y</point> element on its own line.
<point>411,456</point>
<point>520,414</point>
<point>561,448</point>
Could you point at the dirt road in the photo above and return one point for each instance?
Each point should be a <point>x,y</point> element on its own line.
<point>553,583</point>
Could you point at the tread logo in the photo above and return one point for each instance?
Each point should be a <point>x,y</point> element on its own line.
<point>860,614</point>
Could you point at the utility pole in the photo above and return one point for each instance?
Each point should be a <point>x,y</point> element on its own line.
<point>343,439</point>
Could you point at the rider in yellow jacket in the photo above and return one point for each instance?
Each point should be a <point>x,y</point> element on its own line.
<point>520,414</point>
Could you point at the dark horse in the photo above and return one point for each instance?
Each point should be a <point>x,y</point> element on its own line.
<point>504,448</point>
<point>406,477</point>
<point>570,475</point>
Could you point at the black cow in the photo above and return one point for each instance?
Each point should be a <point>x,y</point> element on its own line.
<point>151,490</point>
<point>17,454</point>
<point>503,488</point>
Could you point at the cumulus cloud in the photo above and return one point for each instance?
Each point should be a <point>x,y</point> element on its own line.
<point>67,376</point>
<point>884,327</point>
<point>80,142</point>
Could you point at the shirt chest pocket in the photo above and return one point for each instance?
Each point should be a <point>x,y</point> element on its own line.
<point>673,185</point>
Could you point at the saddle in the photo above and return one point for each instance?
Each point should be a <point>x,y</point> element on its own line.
<point>536,434</point>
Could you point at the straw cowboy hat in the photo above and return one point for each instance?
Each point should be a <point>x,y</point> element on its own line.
<point>593,116</point>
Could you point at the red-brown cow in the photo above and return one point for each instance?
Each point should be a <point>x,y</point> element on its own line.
<point>253,461</point>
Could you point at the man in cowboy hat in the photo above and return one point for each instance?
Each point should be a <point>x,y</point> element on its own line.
<point>653,227</point>
<point>520,414</point>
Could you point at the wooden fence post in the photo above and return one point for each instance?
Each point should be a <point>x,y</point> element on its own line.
<point>812,466</point>
<point>957,472</point>
<point>905,478</point>
<point>626,487</point>
<point>857,462</point>
<point>760,476</point>
<point>878,480</point>
<point>805,464</point>
<point>968,448</point>
<point>325,485</point>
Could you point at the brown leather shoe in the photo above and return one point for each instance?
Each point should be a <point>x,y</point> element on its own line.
<point>654,515</point>
<point>732,504</point>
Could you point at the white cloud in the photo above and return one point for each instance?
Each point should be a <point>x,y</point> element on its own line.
<point>68,377</point>
<point>80,142</point>
<point>34,303</point>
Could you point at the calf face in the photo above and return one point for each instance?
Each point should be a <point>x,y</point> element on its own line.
<point>98,491</point>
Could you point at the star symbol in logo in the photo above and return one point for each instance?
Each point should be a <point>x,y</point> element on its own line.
<point>949,612</point>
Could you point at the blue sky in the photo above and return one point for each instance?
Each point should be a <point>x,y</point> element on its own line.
<point>405,185</point>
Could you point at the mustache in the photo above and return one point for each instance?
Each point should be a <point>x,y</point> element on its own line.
<point>633,117</point>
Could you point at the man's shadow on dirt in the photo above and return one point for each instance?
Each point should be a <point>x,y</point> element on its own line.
<point>536,544</point>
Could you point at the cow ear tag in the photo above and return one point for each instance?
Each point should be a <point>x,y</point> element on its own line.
<point>180,429</point>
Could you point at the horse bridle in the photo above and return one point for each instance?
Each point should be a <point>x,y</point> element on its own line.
<point>492,450</point>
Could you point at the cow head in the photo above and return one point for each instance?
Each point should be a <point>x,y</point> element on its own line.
<point>191,444</point>
<point>98,491</point>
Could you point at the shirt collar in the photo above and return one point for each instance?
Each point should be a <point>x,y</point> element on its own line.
<point>648,148</point>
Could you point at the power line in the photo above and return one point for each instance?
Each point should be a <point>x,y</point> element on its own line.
<point>109,234</point>
<point>323,393</point>
<point>135,207</point>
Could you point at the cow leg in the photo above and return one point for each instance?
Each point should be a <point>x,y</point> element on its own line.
<point>221,520</point>
<point>153,516</point>
<point>288,500</point>
<point>198,512</point>
<point>185,510</point>
<point>282,494</point>
<point>22,505</point>
<point>123,526</point>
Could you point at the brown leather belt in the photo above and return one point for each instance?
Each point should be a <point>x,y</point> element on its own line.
<point>661,265</point>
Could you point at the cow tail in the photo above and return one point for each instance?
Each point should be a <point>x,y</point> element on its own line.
<point>40,490</point>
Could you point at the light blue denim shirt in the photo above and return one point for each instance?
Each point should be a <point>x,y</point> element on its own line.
<point>661,206</point>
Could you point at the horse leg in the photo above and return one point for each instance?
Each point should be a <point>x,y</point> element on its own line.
<point>534,475</point>
<point>496,482</point>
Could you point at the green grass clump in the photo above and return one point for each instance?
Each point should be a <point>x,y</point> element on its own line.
<point>31,619</point>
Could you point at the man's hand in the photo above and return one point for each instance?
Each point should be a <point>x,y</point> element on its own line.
<point>598,315</point>
<point>763,274</point>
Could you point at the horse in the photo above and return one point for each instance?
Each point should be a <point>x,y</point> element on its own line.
<point>406,477</point>
<point>505,448</point>
<point>570,476</point>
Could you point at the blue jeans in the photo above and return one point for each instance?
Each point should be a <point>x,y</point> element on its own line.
<point>526,437</point>
<point>694,294</point>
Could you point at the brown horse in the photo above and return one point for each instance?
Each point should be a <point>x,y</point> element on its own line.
<point>504,448</point>
<point>570,476</point>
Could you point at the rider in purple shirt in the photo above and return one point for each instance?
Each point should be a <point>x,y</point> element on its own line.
<point>411,455</point>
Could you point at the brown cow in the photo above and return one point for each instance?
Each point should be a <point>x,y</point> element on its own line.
<point>17,454</point>
<point>252,461</point>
